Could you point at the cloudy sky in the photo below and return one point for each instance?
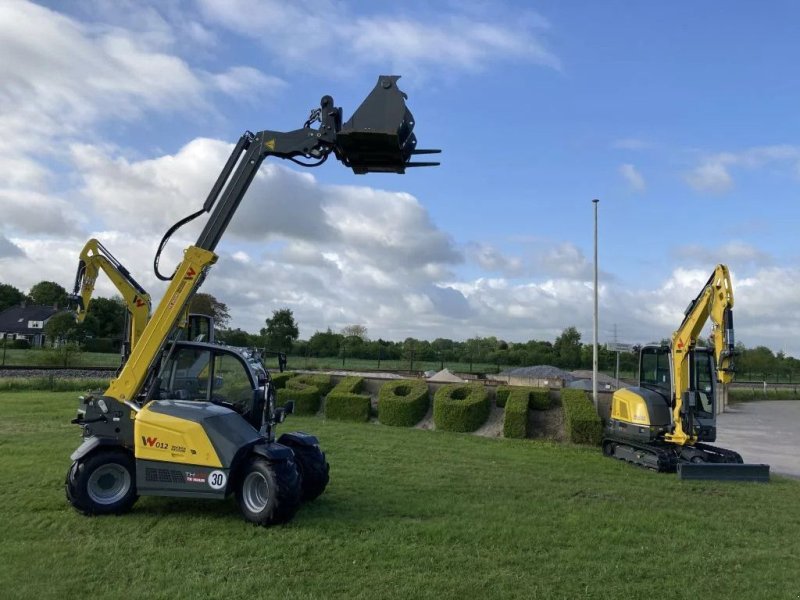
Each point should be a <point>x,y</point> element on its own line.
<point>682,117</point>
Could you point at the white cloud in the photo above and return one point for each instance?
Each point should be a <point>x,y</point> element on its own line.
<point>632,177</point>
<point>336,36</point>
<point>713,175</point>
<point>491,259</point>
<point>733,254</point>
<point>9,249</point>
<point>39,214</point>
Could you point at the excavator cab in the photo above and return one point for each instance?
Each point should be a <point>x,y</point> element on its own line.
<point>699,400</point>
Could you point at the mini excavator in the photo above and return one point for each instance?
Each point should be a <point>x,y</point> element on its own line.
<point>93,258</point>
<point>195,419</point>
<point>665,422</point>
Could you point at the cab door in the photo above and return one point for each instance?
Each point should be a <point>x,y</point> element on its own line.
<point>213,374</point>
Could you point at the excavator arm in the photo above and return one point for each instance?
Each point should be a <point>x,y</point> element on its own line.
<point>95,257</point>
<point>377,138</point>
<point>714,302</point>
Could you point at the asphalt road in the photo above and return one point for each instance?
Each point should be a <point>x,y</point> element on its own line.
<point>763,432</point>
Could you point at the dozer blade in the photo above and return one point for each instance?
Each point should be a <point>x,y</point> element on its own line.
<point>724,472</point>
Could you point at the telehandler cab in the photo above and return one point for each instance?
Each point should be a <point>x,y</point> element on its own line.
<point>198,420</point>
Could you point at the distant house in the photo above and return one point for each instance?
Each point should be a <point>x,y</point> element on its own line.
<point>26,323</point>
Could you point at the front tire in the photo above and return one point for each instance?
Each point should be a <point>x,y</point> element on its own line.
<point>103,483</point>
<point>314,471</point>
<point>268,493</point>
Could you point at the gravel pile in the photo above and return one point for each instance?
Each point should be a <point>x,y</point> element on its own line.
<point>540,372</point>
<point>58,373</point>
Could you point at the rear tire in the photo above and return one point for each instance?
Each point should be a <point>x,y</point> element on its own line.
<point>313,468</point>
<point>268,493</point>
<point>103,483</point>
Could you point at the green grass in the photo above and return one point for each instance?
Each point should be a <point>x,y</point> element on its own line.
<point>408,514</point>
<point>38,358</point>
<point>756,393</point>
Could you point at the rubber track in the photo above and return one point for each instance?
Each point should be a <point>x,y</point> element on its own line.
<point>666,459</point>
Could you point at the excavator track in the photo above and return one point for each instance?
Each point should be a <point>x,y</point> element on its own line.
<point>657,457</point>
<point>705,453</point>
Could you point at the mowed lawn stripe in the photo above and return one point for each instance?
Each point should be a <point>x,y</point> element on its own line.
<point>408,514</point>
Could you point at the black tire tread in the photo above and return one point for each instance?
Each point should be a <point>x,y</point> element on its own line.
<point>284,479</point>
<point>79,471</point>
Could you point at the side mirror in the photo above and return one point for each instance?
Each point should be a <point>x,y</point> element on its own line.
<point>288,408</point>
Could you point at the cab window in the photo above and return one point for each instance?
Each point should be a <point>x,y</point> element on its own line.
<point>186,375</point>
<point>232,383</point>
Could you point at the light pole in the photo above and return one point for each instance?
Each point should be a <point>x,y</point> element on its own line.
<point>594,340</point>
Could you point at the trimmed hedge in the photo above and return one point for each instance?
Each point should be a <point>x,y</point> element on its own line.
<point>306,398</point>
<point>583,423</point>
<point>306,390</point>
<point>460,407</point>
<point>403,402</point>
<point>515,419</point>
<point>344,403</point>
<point>279,379</point>
<point>321,381</point>
<point>538,398</point>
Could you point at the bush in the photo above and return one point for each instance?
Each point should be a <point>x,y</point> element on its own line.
<point>279,379</point>
<point>403,402</point>
<point>52,384</point>
<point>20,344</point>
<point>105,345</point>
<point>64,356</point>
<point>319,380</point>
<point>515,419</point>
<point>344,403</point>
<point>538,398</point>
<point>582,421</point>
<point>460,407</point>
<point>305,394</point>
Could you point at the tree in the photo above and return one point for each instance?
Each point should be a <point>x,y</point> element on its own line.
<point>206,304</point>
<point>359,331</point>
<point>105,318</point>
<point>235,337</point>
<point>568,348</point>
<point>48,293</point>
<point>325,343</point>
<point>9,296</point>
<point>281,330</point>
<point>61,327</point>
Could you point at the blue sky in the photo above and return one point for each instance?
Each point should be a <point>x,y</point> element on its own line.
<point>681,117</point>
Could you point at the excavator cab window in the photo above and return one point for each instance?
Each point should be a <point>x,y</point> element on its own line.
<point>654,371</point>
<point>703,382</point>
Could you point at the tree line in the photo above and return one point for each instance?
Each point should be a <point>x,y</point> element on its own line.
<point>103,330</point>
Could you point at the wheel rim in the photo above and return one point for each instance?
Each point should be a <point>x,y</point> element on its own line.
<point>109,484</point>
<point>255,492</point>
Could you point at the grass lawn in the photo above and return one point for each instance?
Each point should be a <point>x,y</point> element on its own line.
<point>408,514</point>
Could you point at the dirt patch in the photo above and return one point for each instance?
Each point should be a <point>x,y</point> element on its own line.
<point>547,424</point>
<point>494,424</point>
<point>427,420</point>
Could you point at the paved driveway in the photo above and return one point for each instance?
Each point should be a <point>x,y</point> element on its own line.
<point>763,432</point>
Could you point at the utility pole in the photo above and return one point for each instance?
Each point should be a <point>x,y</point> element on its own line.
<point>594,341</point>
